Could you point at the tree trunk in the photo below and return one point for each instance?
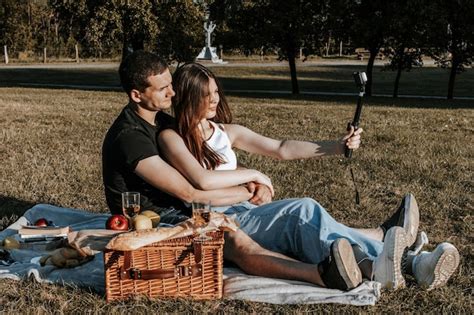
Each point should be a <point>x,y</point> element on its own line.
<point>452,76</point>
<point>138,43</point>
<point>370,67</point>
<point>401,55</point>
<point>294,80</point>
<point>125,47</point>
<point>397,81</point>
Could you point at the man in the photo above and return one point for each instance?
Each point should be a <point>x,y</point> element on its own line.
<point>132,162</point>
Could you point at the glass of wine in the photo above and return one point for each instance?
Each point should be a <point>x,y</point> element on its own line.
<point>130,203</point>
<point>201,216</point>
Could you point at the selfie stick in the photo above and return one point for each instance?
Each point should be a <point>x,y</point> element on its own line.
<point>360,80</point>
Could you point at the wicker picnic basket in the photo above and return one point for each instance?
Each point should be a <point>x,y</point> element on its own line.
<point>172,268</point>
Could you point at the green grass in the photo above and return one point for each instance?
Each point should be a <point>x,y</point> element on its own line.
<point>50,153</point>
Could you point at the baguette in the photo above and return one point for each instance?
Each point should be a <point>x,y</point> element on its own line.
<point>136,239</point>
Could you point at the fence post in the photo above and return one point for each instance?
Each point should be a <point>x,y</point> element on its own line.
<point>77,53</point>
<point>44,55</point>
<point>5,52</point>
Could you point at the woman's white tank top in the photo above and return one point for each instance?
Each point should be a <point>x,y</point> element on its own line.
<point>220,143</point>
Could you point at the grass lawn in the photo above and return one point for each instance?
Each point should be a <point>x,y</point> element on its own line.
<point>50,153</point>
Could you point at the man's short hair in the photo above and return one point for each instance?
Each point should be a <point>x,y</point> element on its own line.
<point>135,69</point>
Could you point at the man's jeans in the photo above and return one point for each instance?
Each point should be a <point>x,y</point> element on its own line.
<point>299,228</point>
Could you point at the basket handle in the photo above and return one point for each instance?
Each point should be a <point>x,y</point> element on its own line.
<point>178,271</point>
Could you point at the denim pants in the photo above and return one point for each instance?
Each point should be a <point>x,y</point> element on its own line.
<point>299,228</point>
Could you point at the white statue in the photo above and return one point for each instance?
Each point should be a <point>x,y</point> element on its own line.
<point>209,52</point>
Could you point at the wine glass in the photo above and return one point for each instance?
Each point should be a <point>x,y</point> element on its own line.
<point>201,216</point>
<point>130,203</point>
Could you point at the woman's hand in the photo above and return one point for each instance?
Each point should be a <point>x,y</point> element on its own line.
<point>352,139</point>
<point>260,178</point>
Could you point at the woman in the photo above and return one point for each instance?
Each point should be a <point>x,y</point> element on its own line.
<point>200,147</point>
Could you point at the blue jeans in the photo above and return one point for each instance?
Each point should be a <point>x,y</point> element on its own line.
<point>298,228</point>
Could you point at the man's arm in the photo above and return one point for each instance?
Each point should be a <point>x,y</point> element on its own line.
<point>164,177</point>
<point>250,141</point>
<point>261,194</point>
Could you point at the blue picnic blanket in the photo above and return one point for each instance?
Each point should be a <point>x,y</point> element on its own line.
<point>24,263</point>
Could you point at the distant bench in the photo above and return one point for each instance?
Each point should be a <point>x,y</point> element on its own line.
<point>364,53</point>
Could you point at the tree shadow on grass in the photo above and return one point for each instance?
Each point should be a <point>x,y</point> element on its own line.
<point>375,101</point>
<point>312,81</point>
<point>11,209</point>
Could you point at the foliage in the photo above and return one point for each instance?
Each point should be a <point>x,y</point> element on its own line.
<point>369,27</point>
<point>27,26</point>
<point>181,33</point>
<point>285,25</point>
<point>403,30</point>
<point>173,28</point>
<point>406,34</point>
<point>452,36</point>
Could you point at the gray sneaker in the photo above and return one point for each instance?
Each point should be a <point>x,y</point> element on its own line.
<point>433,270</point>
<point>387,266</point>
<point>340,270</point>
<point>407,216</point>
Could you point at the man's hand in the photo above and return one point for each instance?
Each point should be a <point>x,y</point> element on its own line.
<point>262,195</point>
<point>352,139</point>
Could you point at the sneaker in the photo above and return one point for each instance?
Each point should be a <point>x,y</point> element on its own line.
<point>421,241</point>
<point>340,270</point>
<point>387,266</point>
<point>407,216</point>
<point>433,270</point>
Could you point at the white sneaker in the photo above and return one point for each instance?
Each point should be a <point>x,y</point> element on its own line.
<point>407,216</point>
<point>387,266</point>
<point>421,241</point>
<point>433,270</point>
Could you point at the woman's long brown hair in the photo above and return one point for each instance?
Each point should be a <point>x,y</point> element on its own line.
<point>191,84</point>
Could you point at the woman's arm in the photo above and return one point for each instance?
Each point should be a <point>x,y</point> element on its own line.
<point>250,141</point>
<point>175,151</point>
<point>161,175</point>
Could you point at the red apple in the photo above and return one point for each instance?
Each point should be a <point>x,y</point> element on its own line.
<point>117,222</point>
<point>41,222</point>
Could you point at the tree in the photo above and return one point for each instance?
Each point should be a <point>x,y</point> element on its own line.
<point>405,37</point>
<point>104,26</point>
<point>16,26</point>
<point>181,31</point>
<point>367,24</point>
<point>2,22</point>
<point>284,24</point>
<point>138,24</point>
<point>86,22</point>
<point>452,36</point>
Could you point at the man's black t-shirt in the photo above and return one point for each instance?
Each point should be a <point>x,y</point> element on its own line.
<point>129,140</point>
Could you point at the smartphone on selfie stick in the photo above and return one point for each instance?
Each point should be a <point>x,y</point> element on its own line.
<point>360,79</point>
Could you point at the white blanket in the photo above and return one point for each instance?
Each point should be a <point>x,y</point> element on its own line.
<point>237,285</point>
